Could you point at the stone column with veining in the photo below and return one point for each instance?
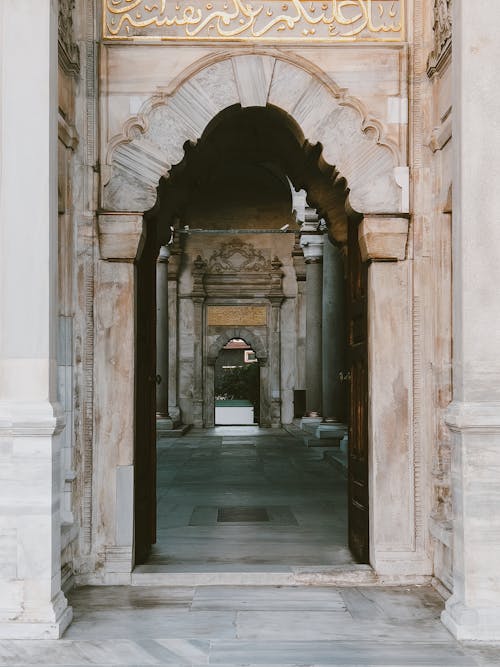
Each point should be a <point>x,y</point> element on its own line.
<point>198,298</point>
<point>334,335</point>
<point>276,299</point>
<point>473,611</point>
<point>32,605</point>
<point>163,420</point>
<point>312,245</point>
<point>173,332</point>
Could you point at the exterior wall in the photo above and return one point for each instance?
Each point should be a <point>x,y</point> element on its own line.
<point>385,79</point>
<point>372,81</point>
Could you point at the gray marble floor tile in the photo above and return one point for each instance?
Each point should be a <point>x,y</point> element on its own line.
<point>152,623</point>
<point>386,654</point>
<point>267,599</point>
<point>123,598</point>
<point>335,625</point>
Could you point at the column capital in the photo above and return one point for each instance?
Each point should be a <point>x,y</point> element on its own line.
<point>312,247</point>
<point>164,255</point>
<point>383,238</point>
<point>120,236</point>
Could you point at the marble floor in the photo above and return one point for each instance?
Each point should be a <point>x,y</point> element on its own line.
<point>247,499</point>
<point>252,626</point>
<point>250,503</point>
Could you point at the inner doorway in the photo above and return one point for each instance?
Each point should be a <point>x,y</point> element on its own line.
<point>237,385</point>
<point>258,139</point>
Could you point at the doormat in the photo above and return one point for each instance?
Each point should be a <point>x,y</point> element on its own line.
<point>241,514</point>
<point>233,515</point>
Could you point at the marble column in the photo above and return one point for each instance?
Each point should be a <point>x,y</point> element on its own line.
<point>32,605</point>
<point>163,420</point>
<point>198,297</point>
<point>312,245</point>
<point>334,335</point>
<point>173,331</point>
<point>473,611</point>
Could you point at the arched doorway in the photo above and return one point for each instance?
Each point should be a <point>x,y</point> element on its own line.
<point>376,185</point>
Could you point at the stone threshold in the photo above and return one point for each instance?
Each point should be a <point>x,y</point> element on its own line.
<point>341,576</point>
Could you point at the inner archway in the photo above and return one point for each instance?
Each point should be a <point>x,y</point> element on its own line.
<point>237,385</point>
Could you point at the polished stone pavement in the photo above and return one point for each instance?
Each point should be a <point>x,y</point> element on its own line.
<point>252,626</point>
<point>249,625</point>
<point>227,468</point>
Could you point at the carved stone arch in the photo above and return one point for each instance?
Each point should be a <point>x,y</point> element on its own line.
<point>250,337</point>
<point>353,141</point>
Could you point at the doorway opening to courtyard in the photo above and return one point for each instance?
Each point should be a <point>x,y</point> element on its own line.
<point>237,385</point>
<point>243,216</point>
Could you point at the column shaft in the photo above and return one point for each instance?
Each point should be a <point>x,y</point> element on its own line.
<point>314,347</point>
<point>31,602</point>
<point>162,339</point>
<point>334,335</point>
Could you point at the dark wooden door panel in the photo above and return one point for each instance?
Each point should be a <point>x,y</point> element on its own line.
<point>358,399</point>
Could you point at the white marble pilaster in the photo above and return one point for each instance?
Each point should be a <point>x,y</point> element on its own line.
<point>120,237</point>
<point>32,605</point>
<point>473,611</point>
<point>397,541</point>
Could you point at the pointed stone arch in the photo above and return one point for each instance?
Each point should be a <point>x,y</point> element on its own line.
<point>250,337</point>
<point>352,140</point>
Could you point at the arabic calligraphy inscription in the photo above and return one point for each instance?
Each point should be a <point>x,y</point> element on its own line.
<point>311,20</point>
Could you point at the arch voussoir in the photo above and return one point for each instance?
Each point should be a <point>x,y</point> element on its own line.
<point>351,140</point>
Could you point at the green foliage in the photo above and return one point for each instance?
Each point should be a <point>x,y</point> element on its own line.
<point>239,383</point>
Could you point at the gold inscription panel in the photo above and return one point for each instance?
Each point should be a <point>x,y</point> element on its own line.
<point>273,20</point>
<point>237,316</point>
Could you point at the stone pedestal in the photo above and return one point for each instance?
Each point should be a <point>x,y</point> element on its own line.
<point>312,245</point>
<point>473,611</point>
<point>32,605</point>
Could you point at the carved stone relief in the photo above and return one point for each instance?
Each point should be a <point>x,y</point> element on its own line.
<point>443,10</point>
<point>69,56</point>
<point>236,256</point>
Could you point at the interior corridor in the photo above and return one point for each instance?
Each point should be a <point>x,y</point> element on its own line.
<point>245,499</point>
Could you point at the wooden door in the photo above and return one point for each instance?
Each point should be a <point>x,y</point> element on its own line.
<point>358,399</point>
<point>145,400</point>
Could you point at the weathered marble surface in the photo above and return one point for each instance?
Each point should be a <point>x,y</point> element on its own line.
<point>279,627</point>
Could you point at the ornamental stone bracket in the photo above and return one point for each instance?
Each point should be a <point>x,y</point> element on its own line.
<point>383,238</point>
<point>121,236</point>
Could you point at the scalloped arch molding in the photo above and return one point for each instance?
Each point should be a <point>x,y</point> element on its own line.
<point>353,142</point>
